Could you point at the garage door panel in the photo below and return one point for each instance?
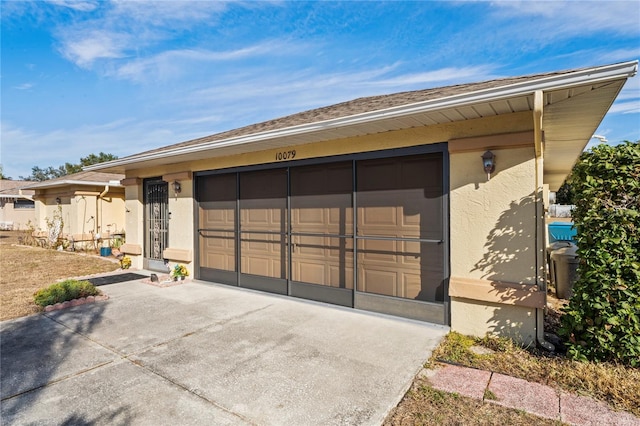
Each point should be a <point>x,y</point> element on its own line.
<point>341,276</point>
<point>372,280</point>
<point>311,272</point>
<point>340,248</point>
<point>263,202</point>
<point>217,213</point>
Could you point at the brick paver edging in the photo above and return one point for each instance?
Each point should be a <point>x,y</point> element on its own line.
<point>543,401</point>
<point>75,302</point>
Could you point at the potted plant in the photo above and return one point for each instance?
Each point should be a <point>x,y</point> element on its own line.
<point>179,272</point>
<point>125,262</point>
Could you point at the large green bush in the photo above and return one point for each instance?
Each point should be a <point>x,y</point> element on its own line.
<point>63,291</point>
<point>602,319</point>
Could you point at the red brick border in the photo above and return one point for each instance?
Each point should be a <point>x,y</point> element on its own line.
<point>75,302</point>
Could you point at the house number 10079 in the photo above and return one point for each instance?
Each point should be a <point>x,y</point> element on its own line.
<point>286,155</point>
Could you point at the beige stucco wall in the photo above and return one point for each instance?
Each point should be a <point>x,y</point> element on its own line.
<point>134,222</point>
<point>493,221</point>
<point>478,318</point>
<point>82,209</point>
<point>181,228</point>
<point>20,217</point>
<point>494,232</point>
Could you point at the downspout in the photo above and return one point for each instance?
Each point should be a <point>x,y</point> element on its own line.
<point>538,136</point>
<point>99,207</point>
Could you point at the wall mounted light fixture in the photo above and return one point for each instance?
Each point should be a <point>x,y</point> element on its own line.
<point>489,163</point>
<point>58,200</point>
<point>177,188</point>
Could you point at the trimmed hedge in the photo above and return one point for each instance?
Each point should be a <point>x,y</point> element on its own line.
<point>602,320</point>
<point>63,291</point>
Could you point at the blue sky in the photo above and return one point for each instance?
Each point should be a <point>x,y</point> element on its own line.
<point>122,77</point>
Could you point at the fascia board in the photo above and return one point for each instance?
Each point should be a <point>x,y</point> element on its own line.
<point>59,183</point>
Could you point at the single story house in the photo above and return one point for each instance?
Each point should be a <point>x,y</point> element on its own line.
<point>16,205</point>
<point>427,204</point>
<point>90,205</point>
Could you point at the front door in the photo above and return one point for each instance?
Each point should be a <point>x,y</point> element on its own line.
<point>156,200</point>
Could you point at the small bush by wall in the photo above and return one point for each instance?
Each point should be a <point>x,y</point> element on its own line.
<point>602,319</point>
<point>63,291</point>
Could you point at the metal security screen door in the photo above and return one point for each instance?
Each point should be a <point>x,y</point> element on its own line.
<point>367,231</point>
<point>156,199</point>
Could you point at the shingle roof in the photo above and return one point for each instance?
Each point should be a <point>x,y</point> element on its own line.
<point>81,178</point>
<point>354,107</point>
<point>11,188</point>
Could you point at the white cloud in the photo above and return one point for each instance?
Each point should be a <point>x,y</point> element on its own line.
<point>86,49</point>
<point>450,74</point>
<point>173,62</point>
<point>82,6</point>
<point>626,107</point>
<point>123,28</point>
<point>24,86</point>
<point>556,18</point>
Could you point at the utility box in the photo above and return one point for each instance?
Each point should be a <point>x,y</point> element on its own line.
<point>562,231</point>
<point>565,268</point>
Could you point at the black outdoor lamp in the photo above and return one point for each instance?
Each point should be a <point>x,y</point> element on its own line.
<point>489,163</point>
<point>177,187</point>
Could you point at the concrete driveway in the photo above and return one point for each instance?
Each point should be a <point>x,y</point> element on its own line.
<point>207,354</point>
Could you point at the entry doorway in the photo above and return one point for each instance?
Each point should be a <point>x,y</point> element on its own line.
<point>156,201</point>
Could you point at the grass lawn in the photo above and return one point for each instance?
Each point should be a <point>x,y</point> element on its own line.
<point>28,269</point>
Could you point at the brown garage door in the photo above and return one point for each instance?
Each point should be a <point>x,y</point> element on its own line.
<point>290,230</point>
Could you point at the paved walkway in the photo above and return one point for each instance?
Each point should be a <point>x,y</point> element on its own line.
<point>543,401</point>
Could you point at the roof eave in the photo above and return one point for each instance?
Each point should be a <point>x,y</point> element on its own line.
<point>554,82</point>
<point>56,184</point>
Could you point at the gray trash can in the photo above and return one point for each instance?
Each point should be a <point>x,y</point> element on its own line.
<point>550,249</point>
<point>565,266</point>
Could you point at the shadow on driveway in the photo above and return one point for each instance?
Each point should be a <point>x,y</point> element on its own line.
<point>208,354</point>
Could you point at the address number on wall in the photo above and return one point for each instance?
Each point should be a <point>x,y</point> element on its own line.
<point>286,155</point>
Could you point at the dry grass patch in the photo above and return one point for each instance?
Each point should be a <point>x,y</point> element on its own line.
<point>423,405</point>
<point>615,384</point>
<point>28,269</point>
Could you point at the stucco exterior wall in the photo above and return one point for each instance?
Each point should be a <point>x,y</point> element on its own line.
<point>478,318</point>
<point>181,228</point>
<point>494,232</point>
<point>493,222</point>
<point>83,211</point>
<point>20,217</point>
<point>134,222</point>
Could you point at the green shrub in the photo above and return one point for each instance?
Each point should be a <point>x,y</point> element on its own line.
<point>63,291</point>
<point>602,319</point>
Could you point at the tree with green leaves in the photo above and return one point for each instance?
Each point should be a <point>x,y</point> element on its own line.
<point>38,174</point>
<point>2,176</point>
<point>602,320</point>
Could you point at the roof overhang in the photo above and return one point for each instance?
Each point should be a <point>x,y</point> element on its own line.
<point>71,182</point>
<point>574,105</point>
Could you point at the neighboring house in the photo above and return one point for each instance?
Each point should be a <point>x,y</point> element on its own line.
<point>17,208</point>
<point>91,205</point>
<point>380,203</point>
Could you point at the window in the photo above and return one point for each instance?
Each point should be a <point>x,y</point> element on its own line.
<point>22,203</point>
